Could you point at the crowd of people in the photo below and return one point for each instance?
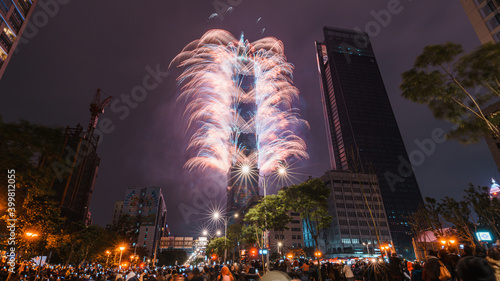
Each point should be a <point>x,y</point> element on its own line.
<point>442,265</point>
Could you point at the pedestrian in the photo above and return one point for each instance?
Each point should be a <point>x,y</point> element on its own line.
<point>395,268</point>
<point>432,267</point>
<point>416,273</point>
<point>347,272</point>
<point>305,270</point>
<point>475,269</point>
<point>493,259</point>
<point>225,275</point>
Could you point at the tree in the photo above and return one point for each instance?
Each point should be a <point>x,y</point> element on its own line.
<point>269,213</point>
<point>486,208</point>
<point>310,199</point>
<point>216,246</point>
<point>29,149</point>
<point>455,88</point>
<point>433,215</point>
<point>460,215</point>
<point>419,224</point>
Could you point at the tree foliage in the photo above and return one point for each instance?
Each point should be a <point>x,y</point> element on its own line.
<point>456,86</point>
<point>29,149</point>
<point>459,219</point>
<point>216,246</point>
<point>310,199</point>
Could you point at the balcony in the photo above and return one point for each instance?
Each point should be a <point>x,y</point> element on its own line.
<point>16,21</point>
<point>5,41</point>
<point>24,7</point>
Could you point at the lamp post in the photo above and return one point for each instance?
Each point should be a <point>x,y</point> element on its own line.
<point>385,248</point>
<point>281,170</point>
<point>317,254</point>
<point>367,248</point>
<point>121,252</point>
<point>449,243</point>
<point>107,259</point>
<point>217,216</point>
<point>33,235</point>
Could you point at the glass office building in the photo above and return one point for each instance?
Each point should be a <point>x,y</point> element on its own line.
<point>362,131</point>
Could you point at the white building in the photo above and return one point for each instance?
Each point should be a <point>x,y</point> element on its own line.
<point>359,216</point>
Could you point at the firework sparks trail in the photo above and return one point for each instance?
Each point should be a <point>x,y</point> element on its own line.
<point>216,71</point>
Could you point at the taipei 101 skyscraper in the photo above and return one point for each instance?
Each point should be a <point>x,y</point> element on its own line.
<point>240,101</point>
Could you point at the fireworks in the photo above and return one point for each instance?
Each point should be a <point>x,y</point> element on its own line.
<point>240,101</point>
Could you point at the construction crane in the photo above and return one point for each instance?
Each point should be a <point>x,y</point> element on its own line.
<point>96,107</point>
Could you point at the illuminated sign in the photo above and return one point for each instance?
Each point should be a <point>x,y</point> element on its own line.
<point>483,236</point>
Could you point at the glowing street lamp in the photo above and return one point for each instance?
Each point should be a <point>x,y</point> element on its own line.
<point>205,232</point>
<point>31,234</point>
<point>367,248</point>
<point>107,259</point>
<point>317,254</point>
<point>121,252</point>
<point>216,215</point>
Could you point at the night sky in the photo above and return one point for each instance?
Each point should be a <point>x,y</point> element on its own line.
<point>109,45</point>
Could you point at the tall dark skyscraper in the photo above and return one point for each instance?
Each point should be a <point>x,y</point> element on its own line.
<point>362,131</point>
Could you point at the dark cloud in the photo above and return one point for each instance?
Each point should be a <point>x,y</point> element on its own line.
<point>109,44</point>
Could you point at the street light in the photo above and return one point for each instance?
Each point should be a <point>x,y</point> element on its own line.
<point>279,247</point>
<point>449,243</point>
<point>217,216</point>
<point>121,252</point>
<point>367,248</point>
<point>317,254</point>
<point>108,253</point>
<point>281,170</point>
<point>205,232</point>
<point>31,234</point>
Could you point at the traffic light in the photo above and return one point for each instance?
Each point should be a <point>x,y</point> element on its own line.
<point>253,251</point>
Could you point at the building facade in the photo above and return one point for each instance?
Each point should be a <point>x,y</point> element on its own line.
<point>14,16</point>
<point>362,132</point>
<point>117,213</point>
<point>146,207</point>
<point>283,240</point>
<point>244,184</point>
<point>484,16</point>
<point>359,226</point>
